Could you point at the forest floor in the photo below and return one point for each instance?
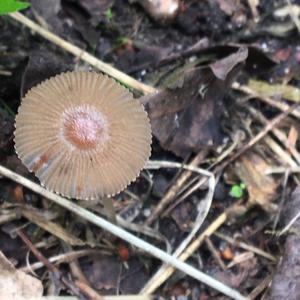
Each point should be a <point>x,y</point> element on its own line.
<point>225,162</point>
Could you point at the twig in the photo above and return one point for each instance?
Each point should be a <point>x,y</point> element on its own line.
<point>280,105</point>
<point>60,258</point>
<point>260,287</point>
<point>277,132</point>
<point>121,233</point>
<point>272,124</point>
<point>92,60</point>
<point>204,205</point>
<point>8,217</point>
<point>69,284</point>
<point>215,253</point>
<point>282,200</point>
<point>165,272</point>
<point>219,168</point>
<point>245,246</point>
<point>75,269</point>
<point>289,225</point>
<point>240,258</point>
<point>280,170</point>
<point>282,155</point>
<point>171,193</point>
<point>87,290</point>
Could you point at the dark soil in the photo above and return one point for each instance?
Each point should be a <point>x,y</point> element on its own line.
<point>193,60</point>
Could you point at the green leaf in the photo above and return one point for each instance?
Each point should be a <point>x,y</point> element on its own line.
<point>236,191</point>
<point>122,40</point>
<point>9,6</point>
<point>109,14</point>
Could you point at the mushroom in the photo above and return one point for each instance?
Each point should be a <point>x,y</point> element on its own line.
<point>160,10</point>
<point>83,135</point>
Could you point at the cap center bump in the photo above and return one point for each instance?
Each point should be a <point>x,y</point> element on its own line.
<point>84,127</point>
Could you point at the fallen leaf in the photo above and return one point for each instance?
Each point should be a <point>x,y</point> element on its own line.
<point>15,284</point>
<point>223,67</point>
<point>183,215</point>
<point>187,118</point>
<point>261,188</point>
<point>243,272</point>
<point>104,271</point>
<point>41,65</point>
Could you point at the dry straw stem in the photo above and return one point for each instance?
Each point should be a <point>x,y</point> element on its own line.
<point>280,135</point>
<point>245,246</point>
<point>281,154</point>
<point>165,272</point>
<point>280,170</point>
<point>275,103</point>
<point>174,189</point>
<point>123,234</point>
<point>80,53</point>
<point>204,205</point>
<point>289,225</point>
<point>60,258</point>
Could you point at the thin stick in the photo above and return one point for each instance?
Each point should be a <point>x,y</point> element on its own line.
<point>277,132</point>
<point>171,193</point>
<point>260,287</point>
<point>121,233</point>
<point>60,258</point>
<point>245,246</point>
<point>215,253</point>
<point>68,283</point>
<point>272,124</point>
<point>280,170</point>
<point>165,272</point>
<point>219,168</point>
<point>282,155</point>
<point>92,60</point>
<point>280,105</point>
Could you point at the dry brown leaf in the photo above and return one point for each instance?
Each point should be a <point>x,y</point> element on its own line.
<point>292,137</point>
<point>15,284</point>
<point>261,188</point>
<point>187,118</point>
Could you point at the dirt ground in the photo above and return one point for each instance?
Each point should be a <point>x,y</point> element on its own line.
<point>224,167</point>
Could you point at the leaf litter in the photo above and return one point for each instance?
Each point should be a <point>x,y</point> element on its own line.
<point>195,111</point>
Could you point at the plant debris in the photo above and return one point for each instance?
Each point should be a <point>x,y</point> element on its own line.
<point>17,284</point>
<point>220,82</point>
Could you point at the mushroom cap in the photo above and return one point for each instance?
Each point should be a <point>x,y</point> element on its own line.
<point>83,135</point>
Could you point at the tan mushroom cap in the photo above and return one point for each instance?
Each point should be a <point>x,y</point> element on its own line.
<point>83,135</point>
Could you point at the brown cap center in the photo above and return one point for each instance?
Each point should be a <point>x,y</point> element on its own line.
<point>84,127</point>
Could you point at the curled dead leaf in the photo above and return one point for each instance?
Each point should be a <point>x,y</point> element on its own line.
<point>15,284</point>
<point>261,188</point>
